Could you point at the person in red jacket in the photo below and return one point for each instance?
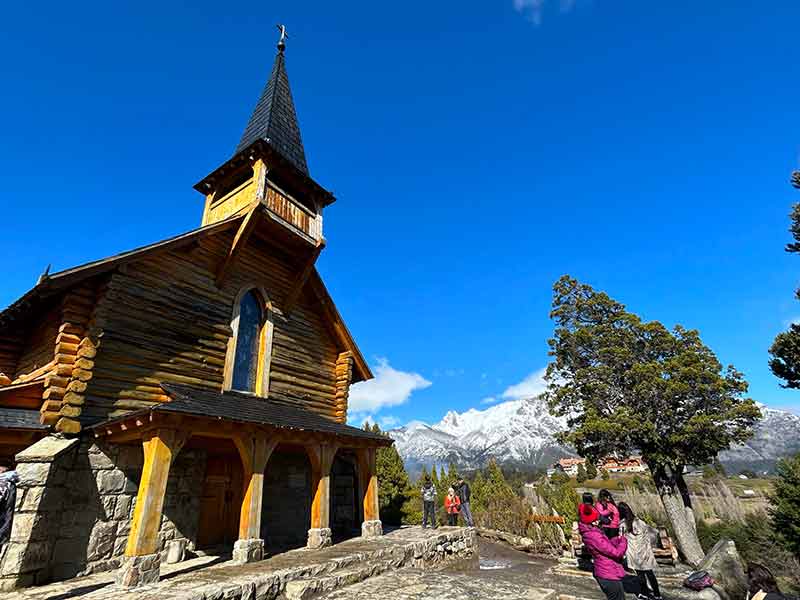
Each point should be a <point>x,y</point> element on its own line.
<point>607,554</point>
<point>452,504</point>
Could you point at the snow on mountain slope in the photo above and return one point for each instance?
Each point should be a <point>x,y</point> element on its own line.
<point>522,432</point>
<point>514,432</point>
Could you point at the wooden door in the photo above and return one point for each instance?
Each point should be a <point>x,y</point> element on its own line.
<point>221,502</point>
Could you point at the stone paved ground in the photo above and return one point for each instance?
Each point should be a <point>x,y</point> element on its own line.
<point>218,572</point>
<point>503,573</point>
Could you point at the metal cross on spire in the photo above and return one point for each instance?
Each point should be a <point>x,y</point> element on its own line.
<point>283,38</point>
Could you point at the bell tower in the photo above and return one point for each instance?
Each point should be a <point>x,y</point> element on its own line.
<point>269,169</point>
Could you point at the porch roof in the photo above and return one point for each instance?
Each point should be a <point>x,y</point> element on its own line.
<point>237,407</point>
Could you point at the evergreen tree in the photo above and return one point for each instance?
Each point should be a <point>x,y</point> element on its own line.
<point>393,482</point>
<point>452,474</point>
<point>604,475</point>
<point>435,478</point>
<point>626,385</point>
<point>785,350</point>
<point>785,501</point>
<point>412,507</point>
<point>582,476</point>
<point>591,470</point>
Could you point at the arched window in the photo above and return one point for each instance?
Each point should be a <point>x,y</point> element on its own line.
<point>250,347</point>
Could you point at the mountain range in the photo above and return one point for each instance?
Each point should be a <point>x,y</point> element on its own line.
<point>521,433</point>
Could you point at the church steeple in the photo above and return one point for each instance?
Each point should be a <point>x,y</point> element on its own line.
<point>274,118</point>
<point>268,174</point>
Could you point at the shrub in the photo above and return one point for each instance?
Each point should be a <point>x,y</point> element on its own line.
<point>756,541</point>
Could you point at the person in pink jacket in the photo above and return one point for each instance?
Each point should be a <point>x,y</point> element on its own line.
<point>607,554</point>
<point>609,514</point>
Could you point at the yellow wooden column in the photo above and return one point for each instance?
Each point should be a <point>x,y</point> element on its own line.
<point>141,563</point>
<point>321,456</point>
<point>368,483</point>
<point>255,450</point>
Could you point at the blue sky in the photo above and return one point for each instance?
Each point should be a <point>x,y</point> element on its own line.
<point>478,150</point>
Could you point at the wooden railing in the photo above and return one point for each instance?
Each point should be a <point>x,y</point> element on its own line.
<point>293,213</point>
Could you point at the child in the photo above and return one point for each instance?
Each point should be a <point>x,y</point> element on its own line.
<point>452,505</point>
<point>609,514</point>
<point>640,552</point>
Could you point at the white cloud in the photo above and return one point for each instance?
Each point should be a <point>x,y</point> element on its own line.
<point>390,387</point>
<point>534,9</point>
<point>389,421</point>
<point>533,385</point>
<point>489,400</point>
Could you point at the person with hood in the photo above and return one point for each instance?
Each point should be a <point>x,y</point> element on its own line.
<point>8,499</point>
<point>607,554</point>
<point>640,555</point>
<point>464,493</point>
<point>428,492</point>
<point>609,514</point>
<point>762,584</point>
<point>452,506</point>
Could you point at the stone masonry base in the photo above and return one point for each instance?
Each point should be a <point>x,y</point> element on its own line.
<point>137,571</point>
<point>371,529</point>
<point>247,551</point>
<point>319,538</point>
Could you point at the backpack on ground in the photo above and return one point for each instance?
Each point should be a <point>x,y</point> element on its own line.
<point>699,580</point>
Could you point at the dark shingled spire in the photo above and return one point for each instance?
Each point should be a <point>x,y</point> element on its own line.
<point>274,118</point>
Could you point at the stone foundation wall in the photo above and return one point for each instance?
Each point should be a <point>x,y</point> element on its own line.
<point>75,502</point>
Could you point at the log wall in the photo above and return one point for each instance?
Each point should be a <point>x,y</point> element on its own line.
<point>163,320</point>
<point>40,337</point>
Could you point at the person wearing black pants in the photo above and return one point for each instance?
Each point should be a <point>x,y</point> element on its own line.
<point>640,554</point>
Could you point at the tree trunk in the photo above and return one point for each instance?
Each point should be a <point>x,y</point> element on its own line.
<point>675,497</point>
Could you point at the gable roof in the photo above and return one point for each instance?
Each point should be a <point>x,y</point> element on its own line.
<point>274,118</point>
<point>62,280</point>
<point>54,283</point>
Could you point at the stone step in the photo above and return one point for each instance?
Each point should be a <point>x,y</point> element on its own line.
<point>303,589</point>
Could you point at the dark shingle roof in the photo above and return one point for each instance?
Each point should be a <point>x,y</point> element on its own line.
<point>20,418</point>
<point>248,408</point>
<point>274,118</point>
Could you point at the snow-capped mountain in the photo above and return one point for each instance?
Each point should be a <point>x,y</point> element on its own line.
<point>522,433</point>
<point>517,432</point>
<point>776,436</point>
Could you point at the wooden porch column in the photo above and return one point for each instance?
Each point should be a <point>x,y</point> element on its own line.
<point>368,483</point>
<point>255,451</point>
<point>321,457</point>
<point>141,564</point>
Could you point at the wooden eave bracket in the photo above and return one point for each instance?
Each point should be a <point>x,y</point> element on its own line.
<point>300,280</point>
<point>239,241</point>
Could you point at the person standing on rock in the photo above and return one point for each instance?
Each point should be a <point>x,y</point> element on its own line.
<point>428,503</point>
<point>452,505</point>
<point>8,499</point>
<point>609,513</point>
<point>607,554</point>
<point>640,555</point>
<point>464,493</point>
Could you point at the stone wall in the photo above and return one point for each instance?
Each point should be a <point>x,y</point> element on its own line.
<point>75,502</point>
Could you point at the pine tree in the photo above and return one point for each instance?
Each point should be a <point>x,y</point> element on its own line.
<point>393,481</point>
<point>604,475</point>
<point>452,474</point>
<point>591,470</point>
<point>582,475</point>
<point>785,501</point>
